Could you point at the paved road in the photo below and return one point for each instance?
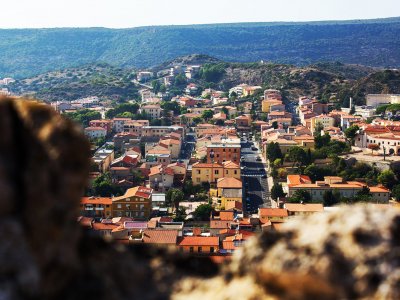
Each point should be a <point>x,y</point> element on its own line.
<point>254,177</point>
<point>188,146</point>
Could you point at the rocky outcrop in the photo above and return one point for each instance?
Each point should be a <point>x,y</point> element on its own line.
<point>350,254</point>
<point>44,253</point>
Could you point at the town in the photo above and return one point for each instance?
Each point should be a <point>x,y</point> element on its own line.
<point>205,170</point>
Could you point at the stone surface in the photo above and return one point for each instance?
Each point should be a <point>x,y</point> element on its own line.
<point>44,253</point>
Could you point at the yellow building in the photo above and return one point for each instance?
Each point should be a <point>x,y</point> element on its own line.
<point>211,172</point>
<point>325,120</point>
<point>135,203</point>
<point>266,104</point>
<point>96,207</point>
<point>250,90</point>
<point>227,190</point>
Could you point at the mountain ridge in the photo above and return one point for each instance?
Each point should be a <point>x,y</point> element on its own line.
<point>27,52</point>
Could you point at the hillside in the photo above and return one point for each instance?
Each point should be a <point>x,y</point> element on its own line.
<point>322,80</point>
<point>100,80</point>
<point>29,52</point>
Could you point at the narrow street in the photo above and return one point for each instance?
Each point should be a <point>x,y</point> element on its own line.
<point>254,176</point>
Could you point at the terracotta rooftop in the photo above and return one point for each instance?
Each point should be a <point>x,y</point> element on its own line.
<point>304,207</point>
<point>273,212</point>
<point>138,191</point>
<point>199,241</point>
<point>162,237</point>
<point>228,182</point>
<point>96,200</point>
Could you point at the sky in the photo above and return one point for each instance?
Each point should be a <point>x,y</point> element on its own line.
<point>134,13</point>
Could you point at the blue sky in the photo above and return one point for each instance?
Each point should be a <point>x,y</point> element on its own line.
<point>133,13</point>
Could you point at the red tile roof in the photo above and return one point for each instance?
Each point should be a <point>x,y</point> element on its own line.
<point>273,212</point>
<point>96,200</point>
<point>160,237</point>
<point>199,241</point>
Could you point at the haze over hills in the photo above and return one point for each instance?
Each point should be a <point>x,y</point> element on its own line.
<point>27,52</point>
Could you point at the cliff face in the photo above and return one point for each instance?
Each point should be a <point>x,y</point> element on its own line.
<point>44,254</point>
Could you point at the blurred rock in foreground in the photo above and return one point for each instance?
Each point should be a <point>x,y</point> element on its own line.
<point>44,253</point>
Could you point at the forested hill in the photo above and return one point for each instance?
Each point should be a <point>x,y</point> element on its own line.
<point>26,52</point>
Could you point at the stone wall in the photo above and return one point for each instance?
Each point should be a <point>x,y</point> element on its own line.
<point>45,254</point>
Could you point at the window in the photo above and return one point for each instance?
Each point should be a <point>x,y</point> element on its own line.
<point>128,206</point>
<point>128,199</point>
<point>211,249</point>
<point>197,180</point>
<point>119,206</point>
<point>235,172</point>
<point>198,172</point>
<point>200,249</point>
<point>191,249</point>
<point>216,172</point>
<point>226,172</point>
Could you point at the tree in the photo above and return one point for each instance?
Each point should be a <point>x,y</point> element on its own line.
<point>300,196</point>
<point>330,198</point>
<point>207,114</point>
<point>83,116</point>
<point>297,155</point>
<point>373,147</point>
<point>364,195</point>
<point>156,86</point>
<point>351,133</point>
<point>197,120</point>
<point>122,108</point>
<point>273,152</point>
<point>103,187</point>
<point>387,178</point>
<point>322,140</point>
<point>203,212</point>
<point>171,105</point>
<point>396,192</point>
<point>318,128</point>
<point>277,191</point>
<point>180,214</point>
<point>317,173</point>
<point>275,124</point>
<point>174,197</point>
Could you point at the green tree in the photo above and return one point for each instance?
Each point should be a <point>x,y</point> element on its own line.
<point>364,195</point>
<point>180,214</point>
<point>387,178</point>
<point>318,128</point>
<point>171,105</point>
<point>396,192</point>
<point>317,173</point>
<point>197,120</point>
<point>174,197</point>
<point>83,116</point>
<point>207,114</point>
<point>322,140</point>
<point>277,191</point>
<point>300,196</point>
<point>156,86</point>
<point>121,108</point>
<point>297,155</point>
<point>103,187</point>
<point>330,198</point>
<point>203,212</point>
<point>351,133</point>
<point>273,152</point>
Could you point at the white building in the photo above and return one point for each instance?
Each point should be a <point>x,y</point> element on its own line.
<point>118,124</point>
<point>154,111</point>
<point>95,132</point>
